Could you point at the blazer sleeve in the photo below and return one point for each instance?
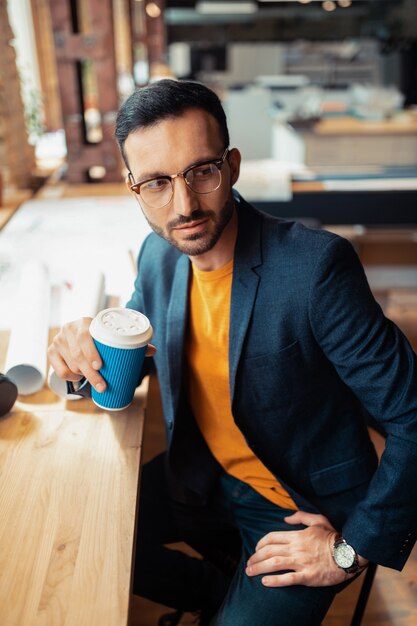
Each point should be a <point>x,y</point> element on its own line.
<point>375,360</point>
<point>137,303</point>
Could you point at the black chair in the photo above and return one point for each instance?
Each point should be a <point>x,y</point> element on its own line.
<point>364,594</point>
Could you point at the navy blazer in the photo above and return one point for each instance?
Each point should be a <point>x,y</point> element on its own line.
<point>309,352</point>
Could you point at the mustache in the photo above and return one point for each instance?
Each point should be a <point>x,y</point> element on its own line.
<point>181,220</point>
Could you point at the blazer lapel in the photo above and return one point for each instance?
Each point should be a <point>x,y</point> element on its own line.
<point>245,283</point>
<point>177,317</point>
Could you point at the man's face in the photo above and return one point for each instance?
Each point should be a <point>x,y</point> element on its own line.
<point>191,222</point>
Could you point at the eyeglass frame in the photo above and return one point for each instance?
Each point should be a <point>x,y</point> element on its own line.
<point>135,187</point>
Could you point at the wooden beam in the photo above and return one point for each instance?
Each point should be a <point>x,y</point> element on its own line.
<point>155,33</point>
<point>47,65</point>
<point>20,155</point>
<point>84,32</point>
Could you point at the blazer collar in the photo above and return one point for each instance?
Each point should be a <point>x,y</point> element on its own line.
<point>177,319</point>
<point>248,256</point>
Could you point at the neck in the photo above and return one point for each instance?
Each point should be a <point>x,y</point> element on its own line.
<point>222,252</point>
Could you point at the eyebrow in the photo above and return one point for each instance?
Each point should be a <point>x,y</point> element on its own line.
<point>156,174</point>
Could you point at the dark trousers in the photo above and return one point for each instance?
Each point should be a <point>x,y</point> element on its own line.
<point>225,532</point>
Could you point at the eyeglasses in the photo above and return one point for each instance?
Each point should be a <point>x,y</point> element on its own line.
<point>204,177</point>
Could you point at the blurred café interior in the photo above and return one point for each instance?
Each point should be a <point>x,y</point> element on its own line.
<point>321,99</point>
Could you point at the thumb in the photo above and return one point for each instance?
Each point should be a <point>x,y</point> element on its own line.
<point>151,350</point>
<point>295,518</point>
<point>308,519</point>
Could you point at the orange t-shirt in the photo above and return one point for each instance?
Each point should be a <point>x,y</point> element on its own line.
<point>208,383</point>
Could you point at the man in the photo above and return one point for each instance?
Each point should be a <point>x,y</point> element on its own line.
<point>269,350</point>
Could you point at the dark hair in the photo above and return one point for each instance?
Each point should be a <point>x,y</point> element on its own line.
<point>164,99</point>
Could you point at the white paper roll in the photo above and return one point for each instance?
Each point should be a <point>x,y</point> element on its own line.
<point>59,386</point>
<point>83,297</point>
<point>26,356</point>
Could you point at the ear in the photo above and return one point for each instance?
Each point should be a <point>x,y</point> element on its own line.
<point>129,181</point>
<point>234,158</point>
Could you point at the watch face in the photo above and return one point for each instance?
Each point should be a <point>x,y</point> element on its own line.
<point>344,555</point>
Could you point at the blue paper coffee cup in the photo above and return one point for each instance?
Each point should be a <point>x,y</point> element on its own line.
<point>121,337</point>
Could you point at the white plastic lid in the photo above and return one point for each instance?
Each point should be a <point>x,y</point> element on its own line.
<point>121,328</point>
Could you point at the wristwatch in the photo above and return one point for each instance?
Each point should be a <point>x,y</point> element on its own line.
<point>345,556</point>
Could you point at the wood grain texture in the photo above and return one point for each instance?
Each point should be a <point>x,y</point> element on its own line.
<point>68,490</point>
<point>401,125</point>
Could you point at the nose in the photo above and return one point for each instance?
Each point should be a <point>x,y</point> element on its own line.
<point>184,199</point>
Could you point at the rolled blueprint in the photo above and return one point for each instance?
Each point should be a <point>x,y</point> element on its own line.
<point>84,297</point>
<point>26,356</point>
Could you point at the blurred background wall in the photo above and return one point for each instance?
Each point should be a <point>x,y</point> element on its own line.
<point>321,90</point>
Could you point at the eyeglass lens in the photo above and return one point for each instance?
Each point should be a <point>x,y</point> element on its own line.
<point>201,179</point>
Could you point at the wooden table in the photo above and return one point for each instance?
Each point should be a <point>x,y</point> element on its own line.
<point>403,124</point>
<point>348,141</point>
<point>68,492</point>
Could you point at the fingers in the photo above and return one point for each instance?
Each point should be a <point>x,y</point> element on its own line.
<point>82,355</point>
<point>308,519</point>
<point>61,368</point>
<point>73,354</point>
<point>279,537</point>
<point>309,579</point>
<point>270,551</point>
<point>266,561</point>
<point>265,564</point>
<point>284,580</point>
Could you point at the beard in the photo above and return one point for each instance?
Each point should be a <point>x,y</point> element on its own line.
<point>198,243</point>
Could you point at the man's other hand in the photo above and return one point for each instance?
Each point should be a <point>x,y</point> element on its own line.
<point>74,356</point>
<point>304,556</point>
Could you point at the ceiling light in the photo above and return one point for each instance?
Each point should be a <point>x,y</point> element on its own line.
<point>212,8</point>
<point>329,5</point>
<point>344,3</point>
<point>153,10</point>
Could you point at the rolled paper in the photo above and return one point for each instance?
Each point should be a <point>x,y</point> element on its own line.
<point>59,386</point>
<point>84,296</point>
<point>26,356</point>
